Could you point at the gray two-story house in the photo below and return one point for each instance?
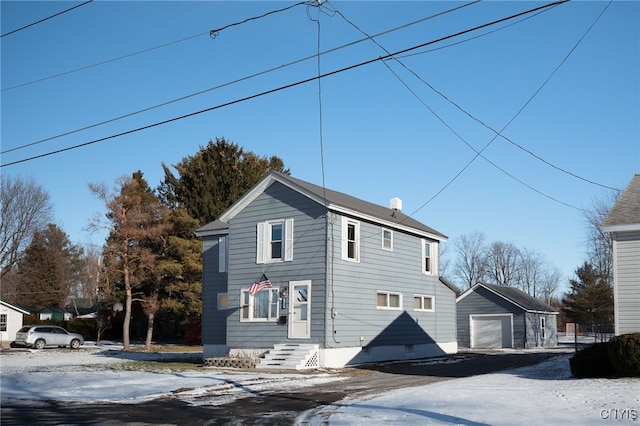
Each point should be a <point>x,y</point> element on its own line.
<point>302,276</point>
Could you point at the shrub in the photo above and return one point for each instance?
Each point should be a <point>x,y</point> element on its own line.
<point>624,354</point>
<point>592,361</point>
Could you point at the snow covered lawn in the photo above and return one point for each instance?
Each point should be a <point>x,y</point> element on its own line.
<point>542,394</point>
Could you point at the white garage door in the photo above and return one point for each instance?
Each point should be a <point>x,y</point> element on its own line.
<point>491,331</point>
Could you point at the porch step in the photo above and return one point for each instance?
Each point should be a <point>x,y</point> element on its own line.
<point>291,356</point>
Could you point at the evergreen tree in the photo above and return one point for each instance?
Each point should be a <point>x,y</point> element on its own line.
<point>49,269</point>
<point>214,178</point>
<point>591,297</point>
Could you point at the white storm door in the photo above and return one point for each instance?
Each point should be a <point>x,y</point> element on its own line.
<point>299,309</point>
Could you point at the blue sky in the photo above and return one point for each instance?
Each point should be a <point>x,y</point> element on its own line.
<point>569,98</point>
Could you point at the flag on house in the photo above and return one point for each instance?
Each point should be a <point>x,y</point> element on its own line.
<point>264,283</point>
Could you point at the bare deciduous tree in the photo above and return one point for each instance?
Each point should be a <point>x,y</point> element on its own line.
<point>470,265</point>
<point>597,242</point>
<point>503,264</point>
<point>25,208</point>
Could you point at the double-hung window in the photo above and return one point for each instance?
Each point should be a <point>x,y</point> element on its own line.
<point>262,306</point>
<point>350,240</point>
<point>274,241</point>
<point>387,239</point>
<point>388,300</point>
<point>3,322</point>
<point>429,257</point>
<point>423,303</point>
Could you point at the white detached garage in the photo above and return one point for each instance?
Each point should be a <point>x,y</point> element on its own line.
<point>492,316</point>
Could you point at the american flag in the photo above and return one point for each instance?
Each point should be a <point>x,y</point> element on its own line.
<point>260,285</point>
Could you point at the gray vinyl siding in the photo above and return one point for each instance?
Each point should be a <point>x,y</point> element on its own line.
<point>534,337</point>
<point>352,288</point>
<point>627,282</point>
<point>214,282</point>
<point>482,301</point>
<point>309,234</point>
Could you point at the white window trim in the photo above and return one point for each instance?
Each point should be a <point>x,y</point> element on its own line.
<point>389,293</point>
<point>345,243</point>
<point>426,296</point>
<point>263,241</point>
<point>543,329</point>
<point>272,291</point>
<point>391,239</point>
<point>433,255</point>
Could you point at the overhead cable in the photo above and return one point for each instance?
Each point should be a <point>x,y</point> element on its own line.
<point>45,19</point>
<point>477,119</point>
<point>287,86</point>
<point>128,55</point>
<point>260,73</point>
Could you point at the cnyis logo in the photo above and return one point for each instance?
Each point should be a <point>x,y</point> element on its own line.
<point>630,414</point>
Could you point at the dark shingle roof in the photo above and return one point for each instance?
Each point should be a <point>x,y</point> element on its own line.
<point>335,199</point>
<point>361,206</point>
<point>626,210</point>
<point>520,298</point>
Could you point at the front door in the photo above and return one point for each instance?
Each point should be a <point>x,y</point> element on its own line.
<point>299,309</point>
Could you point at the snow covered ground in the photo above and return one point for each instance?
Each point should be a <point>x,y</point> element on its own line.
<point>542,394</point>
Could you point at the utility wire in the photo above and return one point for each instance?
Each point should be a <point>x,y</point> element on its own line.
<point>212,34</point>
<point>477,119</point>
<point>478,153</point>
<point>45,19</point>
<point>216,32</point>
<point>107,61</point>
<point>517,114</point>
<point>287,86</point>
<point>221,85</point>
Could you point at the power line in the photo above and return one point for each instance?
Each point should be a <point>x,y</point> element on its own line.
<point>480,121</point>
<point>128,55</point>
<point>287,86</point>
<point>478,153</point>
<point>45,19</point>
<point>221,85</point>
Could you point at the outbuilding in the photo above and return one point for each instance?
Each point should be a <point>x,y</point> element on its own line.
<point>494,316</point>
<point>11,320</point>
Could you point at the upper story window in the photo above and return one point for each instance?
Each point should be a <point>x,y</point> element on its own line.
<point>274,241</point>
<point>262,306</point>
<point>350,240</point>
<point>429,257</point>
<point>387,239</point>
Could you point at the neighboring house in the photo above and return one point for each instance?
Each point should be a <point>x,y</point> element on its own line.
<point>54,313</point>
<point>351,282</point>
<point>495,316</point>
<point>11,320</point>
<point>623,222</point>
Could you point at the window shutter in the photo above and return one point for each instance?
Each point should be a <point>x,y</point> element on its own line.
<point>222,254</point>
<point>288,237</point>
<point>344,244</point>
<point>261,243</point>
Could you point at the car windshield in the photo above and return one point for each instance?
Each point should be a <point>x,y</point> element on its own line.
<point>24,329</point>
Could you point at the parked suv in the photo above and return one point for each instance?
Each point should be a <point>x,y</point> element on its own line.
<point>39,336</point>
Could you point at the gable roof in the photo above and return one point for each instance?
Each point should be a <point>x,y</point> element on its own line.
<point>514,296</point>
<point>332,200</point>
<point>625,213</point>
<point>16,307</point>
